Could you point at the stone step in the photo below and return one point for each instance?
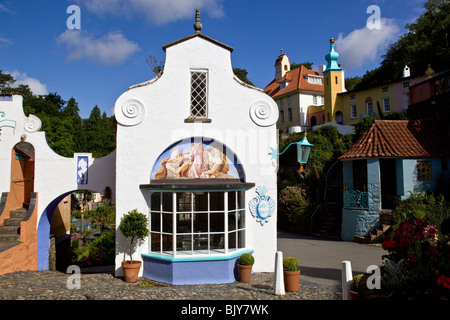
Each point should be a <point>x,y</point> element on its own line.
<point>19,213</point>
<point>8,245</point>
<point>10,230</point>
<point>12,222</point>
<point>6,238</point>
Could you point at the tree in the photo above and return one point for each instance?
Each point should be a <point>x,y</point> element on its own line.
<point>307,65</point>
<point>6,80</point>
<point>242,75</point>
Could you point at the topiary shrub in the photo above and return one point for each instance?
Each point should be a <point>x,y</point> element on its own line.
<point>246,259</point>
<point>290,264</point>
<point>355,282</point>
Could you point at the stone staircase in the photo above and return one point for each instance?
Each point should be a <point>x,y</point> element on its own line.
<point>10,231</point>
<point>385,224</point>
<point>330,224</point>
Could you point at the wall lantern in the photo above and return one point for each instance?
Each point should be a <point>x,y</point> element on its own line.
<point>303,150</point>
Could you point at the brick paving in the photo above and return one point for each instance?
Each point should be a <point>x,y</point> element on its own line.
<point>52,285</point>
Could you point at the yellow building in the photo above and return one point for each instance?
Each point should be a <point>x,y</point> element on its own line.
<point>349,107</point>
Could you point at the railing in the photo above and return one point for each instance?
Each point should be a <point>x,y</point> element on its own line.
<point>356,199</point>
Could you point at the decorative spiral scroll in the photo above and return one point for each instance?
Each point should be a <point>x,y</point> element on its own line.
<point>32,124</point>
<point>264,114</point>
<point>131,113</point>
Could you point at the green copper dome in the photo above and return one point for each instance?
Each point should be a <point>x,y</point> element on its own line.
<point>332,58</point>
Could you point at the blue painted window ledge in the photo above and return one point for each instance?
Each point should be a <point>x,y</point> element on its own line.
<point>195,269</point>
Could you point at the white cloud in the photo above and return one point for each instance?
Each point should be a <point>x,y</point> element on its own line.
<point>4,42</point>
<point>37,87</point>
<point>111,49</point>
<point>155,11</point>
<point>3,8</point>
<point>364,45</point>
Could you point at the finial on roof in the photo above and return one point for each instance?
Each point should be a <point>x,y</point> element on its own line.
<point>197,25</point>
<point>282,51</point>
<point>332,40</point>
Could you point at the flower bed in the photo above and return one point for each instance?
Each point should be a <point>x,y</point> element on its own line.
<point>417,265</point>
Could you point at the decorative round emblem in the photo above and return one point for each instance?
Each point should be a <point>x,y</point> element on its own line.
<point>131,113</point>
<point>32,124</point>
<point>263,206</point>
<point>263,114</point>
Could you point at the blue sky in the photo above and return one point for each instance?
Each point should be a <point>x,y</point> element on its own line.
<point>97,63</point>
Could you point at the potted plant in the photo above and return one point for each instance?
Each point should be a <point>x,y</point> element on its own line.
<point>134,226</point>
<point>291,274</point>
<point>246,261</point>
<point>354,295</point>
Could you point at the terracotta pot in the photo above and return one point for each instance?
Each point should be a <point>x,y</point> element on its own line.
<point>244,273</point>
<point>354,295</point>
<point>291,280</point>
<point>131,270</point>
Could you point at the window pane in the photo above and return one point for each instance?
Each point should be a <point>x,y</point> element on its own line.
<point>167,204</point>
<point>217,222</point>
<point>241,219</point>
<point>241,239</point>
<point>198,94</point>
<point>155,221</point>
<point>184,221</point>
<point>155,242</point>
<point>232,241</point>
<point>231,200</point>
<point>156,201</point>
<point>217,241</point>
<point>184,202</point>
<point>200,201</point>
<point>201,222</point>
<point>216,201</point>
<point>184,243</point>
<point>232,221</point>
<point>241,199</point>
<point>200,242</point>
<point>167,243</point>
<point>167,222</point>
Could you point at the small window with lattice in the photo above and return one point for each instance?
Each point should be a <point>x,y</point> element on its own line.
<point>424,170</point>
<point>199,106</point>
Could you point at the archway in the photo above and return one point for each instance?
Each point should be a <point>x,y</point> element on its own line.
<point>339,117</point>
<point>313,121</point>
<point>46,237</point>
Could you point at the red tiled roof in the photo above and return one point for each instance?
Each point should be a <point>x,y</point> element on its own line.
<point>297,82</point>
<point>399,139</point>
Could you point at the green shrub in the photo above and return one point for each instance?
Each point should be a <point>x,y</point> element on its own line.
<point>134,226</point>
<point>355,282</point>
<point>246,259</point>
<point>421,205</point>
<point>290,264</point>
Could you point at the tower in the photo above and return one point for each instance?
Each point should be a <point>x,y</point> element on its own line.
<point>333,85</point>
<point>282,65</point>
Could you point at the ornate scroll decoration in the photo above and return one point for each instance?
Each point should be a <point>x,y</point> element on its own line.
<point>131,113</point>
<point>32,124</point>
<point>263,114</point>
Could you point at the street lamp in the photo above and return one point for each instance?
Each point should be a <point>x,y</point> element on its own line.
<point>303,150</point>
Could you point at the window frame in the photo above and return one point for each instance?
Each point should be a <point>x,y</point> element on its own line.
<point>193,240</point>
<point>198,113</point>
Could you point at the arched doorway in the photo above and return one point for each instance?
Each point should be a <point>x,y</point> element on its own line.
<point>22,174</point>
<point>339,117</point>
<point>54,232</point>
<point>313,121</point>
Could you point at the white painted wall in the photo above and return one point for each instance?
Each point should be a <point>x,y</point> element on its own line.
<point>151,117</point>
<point>54,174</point>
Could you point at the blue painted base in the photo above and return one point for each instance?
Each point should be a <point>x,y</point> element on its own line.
<point>191,270</point>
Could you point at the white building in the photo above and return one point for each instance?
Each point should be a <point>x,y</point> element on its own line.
<point>193,153</point>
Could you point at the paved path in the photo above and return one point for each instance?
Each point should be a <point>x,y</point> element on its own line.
<point>320,279</point>
<point>321,260</point>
